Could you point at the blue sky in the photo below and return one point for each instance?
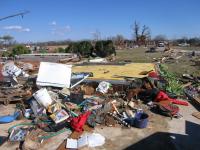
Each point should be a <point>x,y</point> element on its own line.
<point>78,19</point>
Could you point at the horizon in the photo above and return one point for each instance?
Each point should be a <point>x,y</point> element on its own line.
<point>78,20</point>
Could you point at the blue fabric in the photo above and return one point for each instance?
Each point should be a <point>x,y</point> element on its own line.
<point>9,118</point>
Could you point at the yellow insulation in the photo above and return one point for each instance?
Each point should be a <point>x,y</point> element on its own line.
<point>108,72</point>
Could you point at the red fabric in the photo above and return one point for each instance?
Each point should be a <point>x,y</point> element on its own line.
<point>163,96</point>
<point>77,123</point>
<point>153,74</point>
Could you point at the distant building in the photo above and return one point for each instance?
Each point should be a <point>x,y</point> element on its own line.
<point>184,44</point>
<point>33,48</point>
<point>3,49</point>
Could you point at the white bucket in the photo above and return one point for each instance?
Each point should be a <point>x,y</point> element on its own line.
<point>43,98</point>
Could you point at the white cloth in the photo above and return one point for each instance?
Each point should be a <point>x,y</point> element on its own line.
<point>95,139</point>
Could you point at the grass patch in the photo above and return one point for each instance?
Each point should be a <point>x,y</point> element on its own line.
<point>137,55</point>
<point>189,48</point>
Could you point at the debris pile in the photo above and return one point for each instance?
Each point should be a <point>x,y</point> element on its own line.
<point>186,81</point>
<point>58,100</point>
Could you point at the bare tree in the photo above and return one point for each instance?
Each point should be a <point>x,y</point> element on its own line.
<point>146,31</point>
<point>118,40</point>
<point>136,29</point>
<point>96,35</point>
<point>141,36</point>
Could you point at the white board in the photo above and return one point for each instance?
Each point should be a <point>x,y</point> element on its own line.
<point>54,74</point>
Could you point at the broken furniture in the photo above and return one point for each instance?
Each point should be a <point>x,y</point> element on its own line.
<point>12,95</point>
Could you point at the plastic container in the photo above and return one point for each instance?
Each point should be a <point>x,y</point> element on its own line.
<point>43,98</point>
<point>141,120</point>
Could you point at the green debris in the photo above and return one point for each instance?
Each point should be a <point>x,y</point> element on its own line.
<point>174,85</point>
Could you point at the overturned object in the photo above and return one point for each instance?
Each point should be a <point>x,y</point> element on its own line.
<point>11,70</point>
<point>54,74</point>
<point>43,98</point>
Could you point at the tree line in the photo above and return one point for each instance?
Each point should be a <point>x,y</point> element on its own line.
<point>101,48</point>
<point>97,47</point>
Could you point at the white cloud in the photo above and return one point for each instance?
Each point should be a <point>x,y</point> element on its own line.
<point>61,31</point>
<point>26,30</point>
<point>53,23</point>
<point>66,29</point>
<point>17,28</point>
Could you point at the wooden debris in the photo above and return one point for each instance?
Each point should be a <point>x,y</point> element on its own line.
<point>196,114</point>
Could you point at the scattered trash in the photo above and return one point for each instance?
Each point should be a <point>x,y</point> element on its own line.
<point>59,116</point>
<point>98,60</point>
<point>77,123</point>
<point>196,114</point>
<point>103,87</point>
<point>3,139</point>
<point>11,70</point>
<point>76,97</point>
<point>9,118</point>
<point>37,109</point>
<point>161,96</point>
<point>83,78</point>
<point>27,113</point>
<point>95,140</point>
<point>75,144</point>
<point>59,99</point>
<point>141,120</point>
<point>90,140</point>
<point>18,134</point>
<point>167,108</point>
<point>54,108</point>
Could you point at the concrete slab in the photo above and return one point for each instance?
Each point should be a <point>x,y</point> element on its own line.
<point>185,133</point>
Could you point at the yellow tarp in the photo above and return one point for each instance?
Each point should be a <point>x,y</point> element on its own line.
<point>108,72</point>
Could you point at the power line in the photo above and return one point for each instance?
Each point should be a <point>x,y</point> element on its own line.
<point>18,14</point>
